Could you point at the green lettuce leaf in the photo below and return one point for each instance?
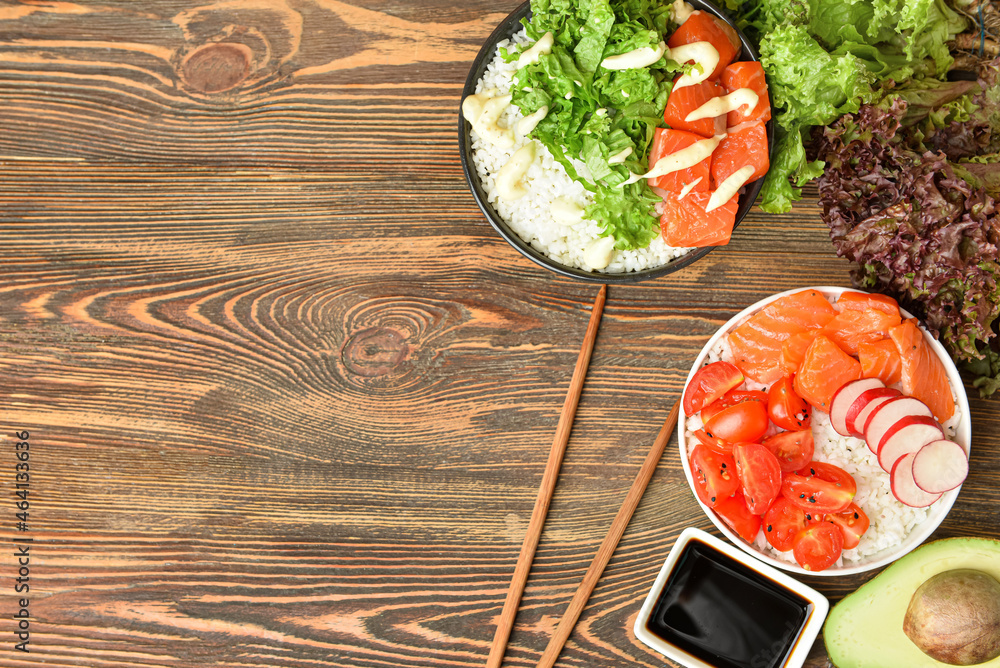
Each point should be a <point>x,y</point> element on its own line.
<point>928,26</point>
<point>599,19</point>
<point>623,208</point>
<point>808,86</point>
<point>825,58</point>
<point>595,114</point>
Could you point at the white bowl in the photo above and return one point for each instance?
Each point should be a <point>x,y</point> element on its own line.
<point>936,513</point>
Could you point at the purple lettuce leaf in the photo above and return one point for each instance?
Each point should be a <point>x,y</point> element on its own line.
<point>919,225</point>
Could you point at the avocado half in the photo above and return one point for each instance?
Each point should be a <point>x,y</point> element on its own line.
<point>865,630</point>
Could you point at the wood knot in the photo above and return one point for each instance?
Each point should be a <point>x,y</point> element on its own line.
<point>374,352</point>
<point>218,67</point>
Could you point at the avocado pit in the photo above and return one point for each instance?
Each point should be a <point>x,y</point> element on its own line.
<point>954,617</point>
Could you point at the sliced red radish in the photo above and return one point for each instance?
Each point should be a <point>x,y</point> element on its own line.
<point>904,487</point>
<point>864,405</point>
<point>843,399</point>
<point>940,466</point>
<point>889,413</point>
<point>906,436</point>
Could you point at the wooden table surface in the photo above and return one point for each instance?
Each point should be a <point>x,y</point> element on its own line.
<point>289,396</point>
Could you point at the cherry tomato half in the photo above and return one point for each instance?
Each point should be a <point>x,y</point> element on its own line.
<point>737,516</point>
<point>786,408</point>
<point>760,475</point>
<point>782,521</point>
<point>745,421</point>
<point>715,444</point>
<point>794,449</point>
<point>714,475</point>
<point>853,524</point>
<point>709,383</point>
<point>820,488</point>
<point>818,546</point>
<point>731,399</point>
<point>830,473</point>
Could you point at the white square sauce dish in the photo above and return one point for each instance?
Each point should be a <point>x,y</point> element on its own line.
<point>714,606</point>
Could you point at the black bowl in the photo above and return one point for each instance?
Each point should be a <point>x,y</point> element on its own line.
<point>507,28</point>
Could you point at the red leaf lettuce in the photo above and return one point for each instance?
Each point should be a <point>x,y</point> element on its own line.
<point>910,193</point>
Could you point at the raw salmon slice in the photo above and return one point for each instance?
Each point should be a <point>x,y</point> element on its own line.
<point>746,74</point>
<point>703,27</point>
<point>824,370</point>
<point>880,359</point>
<point>685,224</point>
<point>756,344</point>
<point>666,142</point>
<point>745,144</point>
<point>793,350</point>
<point>853,327</point>
<point>922,374</point>
<point>861,301</point>
<point>684,100</point>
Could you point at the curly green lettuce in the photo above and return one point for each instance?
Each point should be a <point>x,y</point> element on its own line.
<point>825,58</point>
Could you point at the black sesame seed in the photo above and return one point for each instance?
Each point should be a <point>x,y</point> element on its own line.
<point>769,528</point>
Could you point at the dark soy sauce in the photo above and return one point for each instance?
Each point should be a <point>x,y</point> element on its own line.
<point>726,614</point>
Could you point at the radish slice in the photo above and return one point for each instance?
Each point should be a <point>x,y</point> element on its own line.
<point>864,405</point>
<point>887,414</point>
<point>908,435</point>
<point>844,399</point>
<point>940,466</point>
<point>904,487</point>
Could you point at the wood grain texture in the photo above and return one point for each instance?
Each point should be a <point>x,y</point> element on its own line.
<point>289,395</point>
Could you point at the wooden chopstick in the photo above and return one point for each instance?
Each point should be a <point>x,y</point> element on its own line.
<point>607,548</point>
<point>545,490</point>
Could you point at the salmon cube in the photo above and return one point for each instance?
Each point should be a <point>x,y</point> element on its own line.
<point>862,301</point>
<point>686,224</point>
<point>666,142</point>
<point>704,27</point>
<point>880,359</point>
<point>863,318</point>
<point>793,350</point>
<point>684,100</point>
<point>747,74</point>
<point>744,145</point>
<point>824,370</point>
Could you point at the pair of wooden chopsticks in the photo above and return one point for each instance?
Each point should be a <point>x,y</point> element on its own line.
<point>544,498</point>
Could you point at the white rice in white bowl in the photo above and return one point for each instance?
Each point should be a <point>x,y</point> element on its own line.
<point>895,527</point>
<point>530,216</point>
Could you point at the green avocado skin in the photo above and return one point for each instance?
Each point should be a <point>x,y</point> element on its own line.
<point>865,630</point>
